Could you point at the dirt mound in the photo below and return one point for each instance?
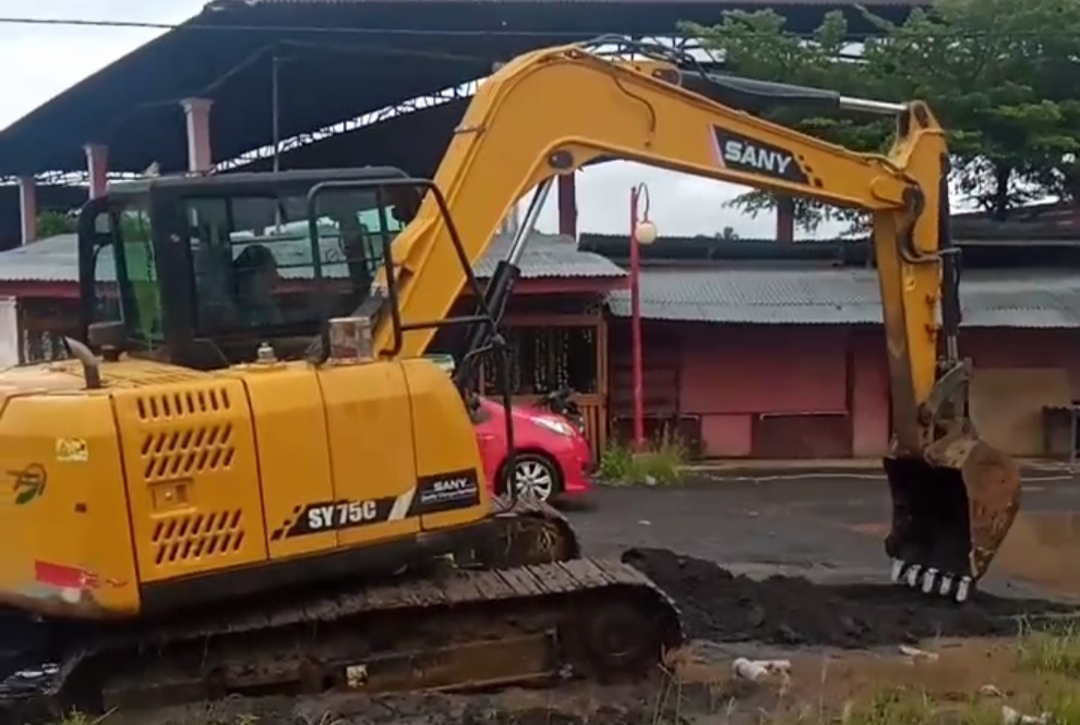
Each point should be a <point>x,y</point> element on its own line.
<point>720,606</point>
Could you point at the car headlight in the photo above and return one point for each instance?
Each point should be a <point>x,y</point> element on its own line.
<point>555,426</point>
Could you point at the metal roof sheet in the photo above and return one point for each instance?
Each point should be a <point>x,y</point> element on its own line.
<point>549,255</point>
<point>345,58</point>
<point>56,259</point>
<point>1022,298</point>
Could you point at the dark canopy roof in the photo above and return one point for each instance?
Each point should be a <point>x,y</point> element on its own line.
<point>414,142</point>
<point>338,59</point>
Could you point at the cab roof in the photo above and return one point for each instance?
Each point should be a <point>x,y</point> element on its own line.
<point>218,183</point>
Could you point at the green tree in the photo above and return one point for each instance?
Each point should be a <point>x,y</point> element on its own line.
<point>757,45</point>
<point>1000,74</point>
<point>54,223</point>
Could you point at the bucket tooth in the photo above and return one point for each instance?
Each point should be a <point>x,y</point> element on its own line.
<point>962,589</point>
<point>928,580</point>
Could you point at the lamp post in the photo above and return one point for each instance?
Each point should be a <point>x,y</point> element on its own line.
<point>642,231</point>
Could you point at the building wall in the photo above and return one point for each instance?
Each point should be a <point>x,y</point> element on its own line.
<point>764,391</point>
<point>793,391</point>
<point>754,388</point>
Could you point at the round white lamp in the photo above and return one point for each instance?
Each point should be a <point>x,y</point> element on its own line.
<point>645,232</point>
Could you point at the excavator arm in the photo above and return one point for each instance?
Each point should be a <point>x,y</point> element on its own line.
<point>553,111</point>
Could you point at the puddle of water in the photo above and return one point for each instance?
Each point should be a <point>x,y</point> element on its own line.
<point>1043,549</point>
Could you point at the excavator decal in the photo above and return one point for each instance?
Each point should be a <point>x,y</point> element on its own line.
<point>740,153</point>
<point>70,583</point>
<point>321,516</point>
<point>28,483</point>
<point>446,492</point>
<point>431,495</point>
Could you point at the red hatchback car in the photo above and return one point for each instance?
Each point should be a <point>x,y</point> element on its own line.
<point>553,459</point>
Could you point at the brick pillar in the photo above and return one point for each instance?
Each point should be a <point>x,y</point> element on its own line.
<point>97,166</point>
<point>197,113</point>
<point>28,208</point>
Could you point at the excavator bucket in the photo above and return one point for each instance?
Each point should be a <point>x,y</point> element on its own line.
<point>951,512</point>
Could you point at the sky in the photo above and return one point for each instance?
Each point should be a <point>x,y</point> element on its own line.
<point>49,59</point>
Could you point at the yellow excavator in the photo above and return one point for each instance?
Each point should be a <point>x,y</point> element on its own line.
<point>249,479</point>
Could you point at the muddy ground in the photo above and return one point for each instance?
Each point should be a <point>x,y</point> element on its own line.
<point>722,607</point>
<point>777,568</point>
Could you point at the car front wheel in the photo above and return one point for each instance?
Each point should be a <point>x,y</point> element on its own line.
<point>536,475</point>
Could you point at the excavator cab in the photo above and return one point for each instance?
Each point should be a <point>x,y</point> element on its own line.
<point>204,271</point>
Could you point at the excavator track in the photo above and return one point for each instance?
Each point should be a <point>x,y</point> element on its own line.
<point>456,630</point>
<point>527,531</point>
<point>520,607</point>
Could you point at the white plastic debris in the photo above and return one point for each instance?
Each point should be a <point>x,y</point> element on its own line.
<point>916,653</point>
<point>991,691</point>
<point>755,670</point>
<point>1012,717</point>
<point>356,676</point>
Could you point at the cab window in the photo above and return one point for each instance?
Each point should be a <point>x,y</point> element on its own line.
<point>252,259</point>
<point>125,272</point>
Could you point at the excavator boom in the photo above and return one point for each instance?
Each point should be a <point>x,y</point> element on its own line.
<point>954,496</point>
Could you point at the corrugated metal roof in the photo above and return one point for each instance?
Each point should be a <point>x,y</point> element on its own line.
<point>1024,298</point>
<point>547,256</point>
<point>54,259</point>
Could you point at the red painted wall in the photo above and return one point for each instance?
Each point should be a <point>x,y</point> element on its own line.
<point>730,375</point>
<point>760,370</point>
<point>869,393</point>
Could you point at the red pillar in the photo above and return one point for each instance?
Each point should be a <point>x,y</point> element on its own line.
<point>635,325</point>
<point>568,204</point>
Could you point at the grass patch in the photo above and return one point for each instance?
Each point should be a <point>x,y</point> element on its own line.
<point>1030,679</point>
<point>660,464</point>
<point>898,707</point>
<point>1051,648</point>
<point>903,707</point>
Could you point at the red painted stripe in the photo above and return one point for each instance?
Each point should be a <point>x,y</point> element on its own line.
<point>59,575</point>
